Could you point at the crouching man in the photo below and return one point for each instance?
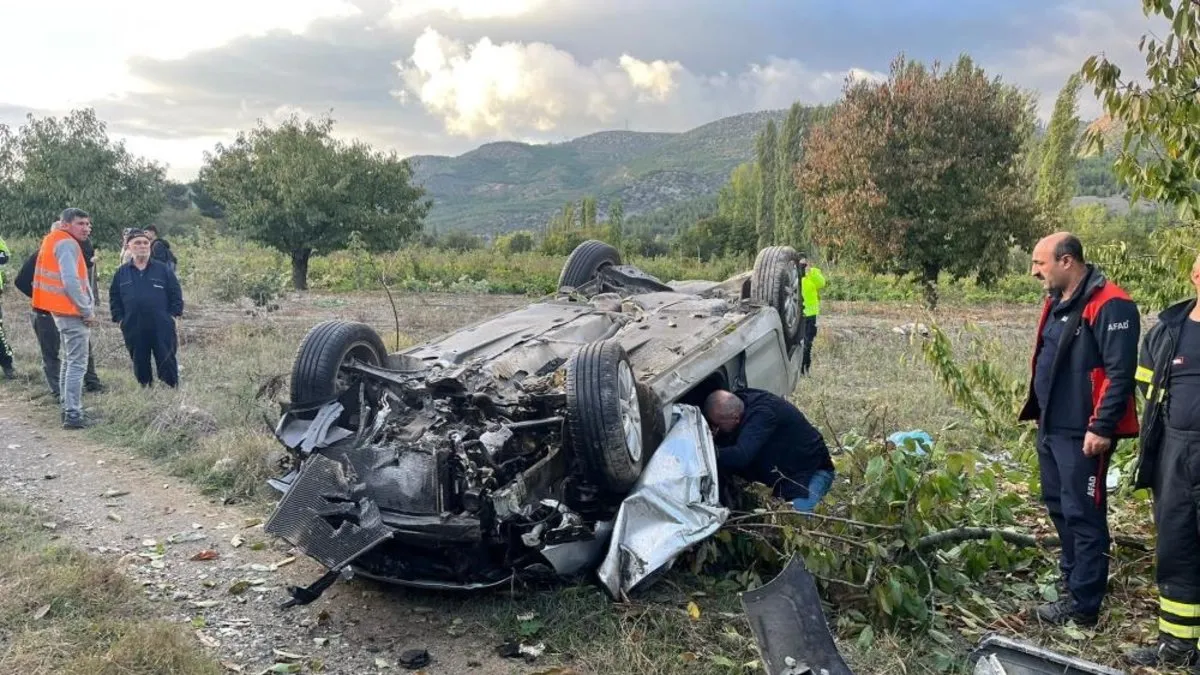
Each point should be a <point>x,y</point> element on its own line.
<point>763,438</point>
<point>144,298</point>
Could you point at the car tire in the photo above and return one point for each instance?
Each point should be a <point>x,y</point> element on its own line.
<point>585,261</point>
<point>604,416</point>
<point>316,370</point>
<point>776,282</point>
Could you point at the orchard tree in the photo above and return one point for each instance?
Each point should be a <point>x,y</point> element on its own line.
<point>298,190</point>
<point>1056,175</point>
<point>923,173</point>
<point>51,163</point>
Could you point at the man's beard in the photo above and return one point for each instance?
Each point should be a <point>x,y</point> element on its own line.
<point>141,259</point>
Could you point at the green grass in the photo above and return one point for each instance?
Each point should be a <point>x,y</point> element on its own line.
<point>64,612</point>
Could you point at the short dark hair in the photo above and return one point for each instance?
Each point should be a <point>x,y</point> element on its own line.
<point>150,228</point>
<point>1069,246</point>
<point>72,214</point>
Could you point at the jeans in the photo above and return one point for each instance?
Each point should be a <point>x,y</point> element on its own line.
<point>818,487</point>
<point>49,342</point>
<point>75,337</point>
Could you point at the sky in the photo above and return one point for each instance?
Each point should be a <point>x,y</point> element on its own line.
<point>173,79</point>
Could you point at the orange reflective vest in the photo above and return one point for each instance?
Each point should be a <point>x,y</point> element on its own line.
<point>49,294</point>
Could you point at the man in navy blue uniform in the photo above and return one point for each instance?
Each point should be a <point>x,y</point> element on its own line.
<point>764,438</point>
<point>145,298</point>
<point>1081,396</point>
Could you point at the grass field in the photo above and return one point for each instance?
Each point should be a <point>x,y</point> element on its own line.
<point>867,379</point>
<point>65,613</point>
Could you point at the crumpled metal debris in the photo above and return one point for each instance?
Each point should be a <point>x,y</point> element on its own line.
<point>673,506</point>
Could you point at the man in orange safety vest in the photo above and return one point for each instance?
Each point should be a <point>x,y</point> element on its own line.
<point>61,288</point>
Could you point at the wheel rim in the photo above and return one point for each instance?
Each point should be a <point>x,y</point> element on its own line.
<point>791,301</point>
<point>631,414</point>
<point>360,352</point>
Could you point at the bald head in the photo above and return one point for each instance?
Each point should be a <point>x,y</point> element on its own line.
<point>1058,262</point>
<point>1196,275</point>
<point>723,410</point>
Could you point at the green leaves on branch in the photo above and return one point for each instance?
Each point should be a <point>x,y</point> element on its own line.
<point>51,163</point>
<point>1159,158</point>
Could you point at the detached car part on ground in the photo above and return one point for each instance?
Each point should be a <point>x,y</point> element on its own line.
<point>507,448</point>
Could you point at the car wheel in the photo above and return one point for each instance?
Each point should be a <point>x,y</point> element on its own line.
<point>776,282</point>
<point>585,261</point>
<point>605,416</point>
<point>317,374</point>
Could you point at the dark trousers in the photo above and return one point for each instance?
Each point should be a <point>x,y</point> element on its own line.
<point>6,356</point>
<point>810,332</point>
<point>1073,488</point>
<point>49,343</point>
<point>1176,502</point>
<point>156,341</point>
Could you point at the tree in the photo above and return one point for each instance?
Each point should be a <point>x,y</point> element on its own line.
<point>296,189</point>
<point>1159,158</point>
<point>1159,155</point>
<point>52,163</point>
<point>587,212</point>
<point>768,160</point>
<point>616,222</point>
<point>922,173</point>
<point>1056,175</point>
<point>737,203</point>
<point>788,205</point>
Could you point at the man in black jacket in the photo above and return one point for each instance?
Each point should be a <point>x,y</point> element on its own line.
<point>144,298</point>
<point>764,438</point>
<point>43,323</point>
<point>1081,396</point>
<point>160,250</point>
<point>1168,375</point>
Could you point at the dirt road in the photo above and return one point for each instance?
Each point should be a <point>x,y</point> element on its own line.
<point>121,507</point>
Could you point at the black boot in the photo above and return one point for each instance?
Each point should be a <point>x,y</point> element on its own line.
<point>1170,651</point>
<point>1061,612</point>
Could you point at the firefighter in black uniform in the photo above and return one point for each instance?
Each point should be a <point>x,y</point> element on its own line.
<point>144,298</point>
<point>1168,376</point>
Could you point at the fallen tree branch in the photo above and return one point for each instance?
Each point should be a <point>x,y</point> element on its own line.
<point>809,514</point>
<point>961,534</point>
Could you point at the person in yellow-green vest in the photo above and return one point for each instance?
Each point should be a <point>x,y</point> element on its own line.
<point>810,285</point>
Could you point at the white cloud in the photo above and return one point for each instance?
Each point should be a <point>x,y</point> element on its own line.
<point>471,10</point>
<point>1046,64</point>
<point>489,89</point>
<point>60,53</point>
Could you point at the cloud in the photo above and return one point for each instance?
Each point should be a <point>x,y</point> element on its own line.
<point>1081,30</point>
<point>471,10</point>
<point>488,89</point>
<point>65,52</point>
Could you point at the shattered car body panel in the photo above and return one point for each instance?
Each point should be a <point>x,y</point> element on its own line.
<point>674,506</point>
<point>459,470</point>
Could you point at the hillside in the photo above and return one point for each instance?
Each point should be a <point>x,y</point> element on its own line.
<point>507,186</point>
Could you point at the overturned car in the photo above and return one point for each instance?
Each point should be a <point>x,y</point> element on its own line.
<point>505,449</point>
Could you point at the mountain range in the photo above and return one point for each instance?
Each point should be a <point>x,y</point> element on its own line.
<point>505,186</point>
